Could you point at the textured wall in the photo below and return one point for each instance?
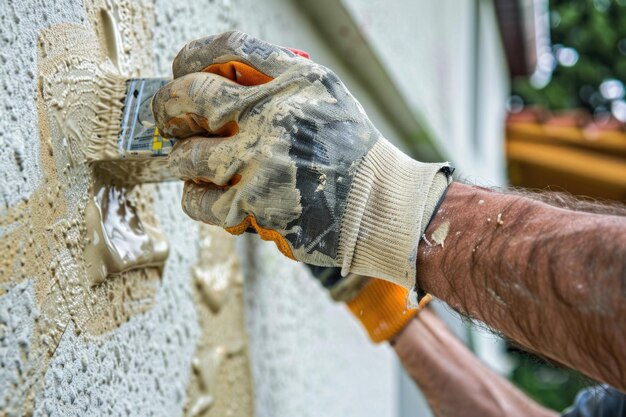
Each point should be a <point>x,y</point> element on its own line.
<point>151,342</point>
<point>176,342</point>
<point>308,356</point>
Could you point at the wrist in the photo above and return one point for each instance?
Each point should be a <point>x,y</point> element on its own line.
<point>435,242</point>
<point>391,200</point>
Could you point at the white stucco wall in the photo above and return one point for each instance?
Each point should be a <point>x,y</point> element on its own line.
<point>430,50</point>
<point>308,356</point>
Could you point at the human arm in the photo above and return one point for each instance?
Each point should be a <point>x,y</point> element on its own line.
<point>272,142</point>
<point>452,379</point>
<point>551,279</point>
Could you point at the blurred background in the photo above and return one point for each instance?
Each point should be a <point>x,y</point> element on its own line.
<point>528,93</point>
<point>565,128</point>
<point>565,131</point>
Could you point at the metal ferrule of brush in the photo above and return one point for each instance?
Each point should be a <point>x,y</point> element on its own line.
<point>126,145</point>
<point>139,136</point>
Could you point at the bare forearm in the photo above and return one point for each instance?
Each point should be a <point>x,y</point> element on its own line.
<point>453,380</point>
<point>551,279</point>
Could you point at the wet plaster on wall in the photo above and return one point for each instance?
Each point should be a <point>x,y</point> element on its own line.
<point>72,345</point>
<point>117,239</point>
<point>309,357</point>
<point>221,383</point>
<point>134,345</point>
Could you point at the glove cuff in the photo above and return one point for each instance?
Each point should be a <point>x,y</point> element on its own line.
<point>391,201</point>
<point>382,309</point>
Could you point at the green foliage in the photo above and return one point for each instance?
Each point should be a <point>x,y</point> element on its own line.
<point>595,30</point>
<point>552,387</point>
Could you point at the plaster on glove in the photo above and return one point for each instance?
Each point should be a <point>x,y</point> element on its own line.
<point>276,143</point>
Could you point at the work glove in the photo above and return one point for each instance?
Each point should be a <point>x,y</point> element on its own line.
<point>380,306</point>
<point>273,142</point>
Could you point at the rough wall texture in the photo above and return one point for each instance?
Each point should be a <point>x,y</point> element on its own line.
<point>308,356</point>
<point>151,342</point>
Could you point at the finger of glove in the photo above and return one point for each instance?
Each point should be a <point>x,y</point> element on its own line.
<point>271,60</point>
<point>199,202</point>
<point>201,104</point>
<point>242,74</point>
<point>214,160</point>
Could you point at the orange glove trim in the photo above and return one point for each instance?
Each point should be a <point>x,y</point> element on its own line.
<point>239,72</point>
<point>381,308</point>
<point>265,234</point>
<point>246,75</point>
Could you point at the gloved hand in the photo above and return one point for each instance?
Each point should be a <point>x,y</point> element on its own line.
<point>380,306</point>
<point>275,142</point>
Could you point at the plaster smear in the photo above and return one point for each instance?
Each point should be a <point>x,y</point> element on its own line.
<point>81,331</point>
<point>47,232</point>
<point>441,233</point>
<point>221,384</point>
<point>117,240</point>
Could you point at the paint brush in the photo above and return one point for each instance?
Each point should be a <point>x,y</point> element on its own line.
<point>126,144</point>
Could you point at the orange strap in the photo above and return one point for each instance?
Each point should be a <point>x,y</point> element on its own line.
<point>265,234</point>
<point>381,308</point>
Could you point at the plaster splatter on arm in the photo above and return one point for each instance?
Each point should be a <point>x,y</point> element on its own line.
<point>440,234</point>
<point>551,279</point>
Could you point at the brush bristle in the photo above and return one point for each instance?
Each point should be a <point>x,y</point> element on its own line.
<point>112,90</point>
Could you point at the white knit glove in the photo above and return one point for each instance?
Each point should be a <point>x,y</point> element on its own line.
<point>275,143</point>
